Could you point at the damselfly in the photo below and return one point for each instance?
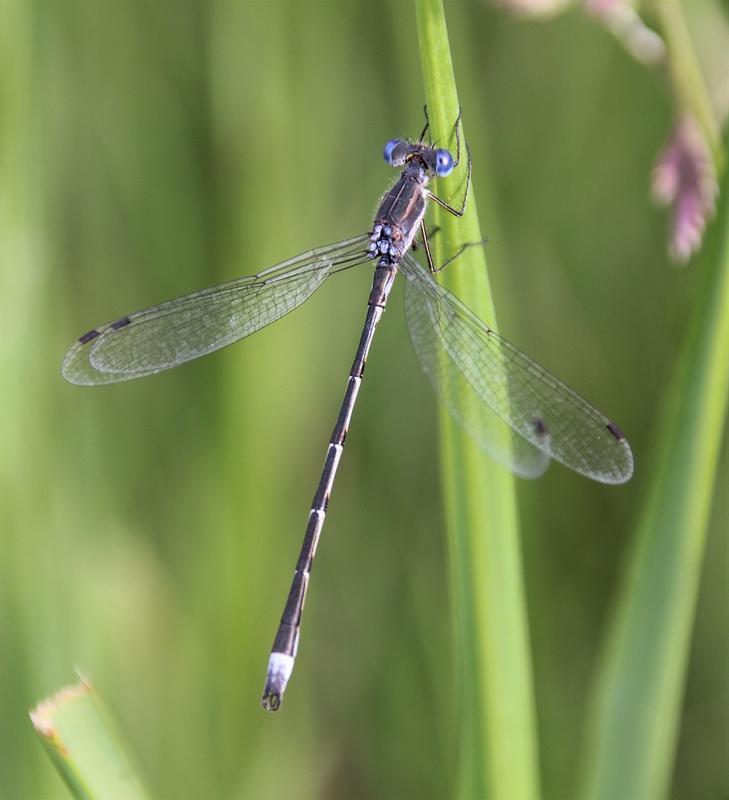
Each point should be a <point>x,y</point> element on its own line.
<point>490,387</point>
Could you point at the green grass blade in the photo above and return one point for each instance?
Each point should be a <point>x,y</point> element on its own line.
<point>497,752</point>
<point>639,689</point>
<point>84,747</point>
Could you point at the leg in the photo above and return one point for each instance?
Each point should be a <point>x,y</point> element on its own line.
<point>458,253</point>
<point>426,246</point>
<point>458,139</point>
<point>456,212</point>
<point>427,123</point>
<point>416,245</point>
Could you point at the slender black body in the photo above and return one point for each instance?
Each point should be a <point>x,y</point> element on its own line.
<point>397,221</point>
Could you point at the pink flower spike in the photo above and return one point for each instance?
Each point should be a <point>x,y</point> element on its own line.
<point>684,178</point>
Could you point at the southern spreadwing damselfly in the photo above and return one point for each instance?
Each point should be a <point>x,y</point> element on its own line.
<point>492,389</point>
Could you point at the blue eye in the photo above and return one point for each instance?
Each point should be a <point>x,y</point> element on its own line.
<point>389,149</point>
<point>443,163</point>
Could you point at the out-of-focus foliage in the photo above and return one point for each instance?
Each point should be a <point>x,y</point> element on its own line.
<point>82,743</point>
<point>149,530</point>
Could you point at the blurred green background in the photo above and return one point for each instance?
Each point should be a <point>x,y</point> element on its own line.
<point>149,530</point>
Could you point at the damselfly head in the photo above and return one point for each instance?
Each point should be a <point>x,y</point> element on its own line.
<point>399,152</point>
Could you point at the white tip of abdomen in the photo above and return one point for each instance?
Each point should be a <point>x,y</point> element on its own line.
<point>280,667</point>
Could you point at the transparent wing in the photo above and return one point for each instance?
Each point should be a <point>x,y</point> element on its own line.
<point>488,385</point>
<point>188,327</point>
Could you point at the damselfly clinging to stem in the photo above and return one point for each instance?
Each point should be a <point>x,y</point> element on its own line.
<point>490,387</point>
